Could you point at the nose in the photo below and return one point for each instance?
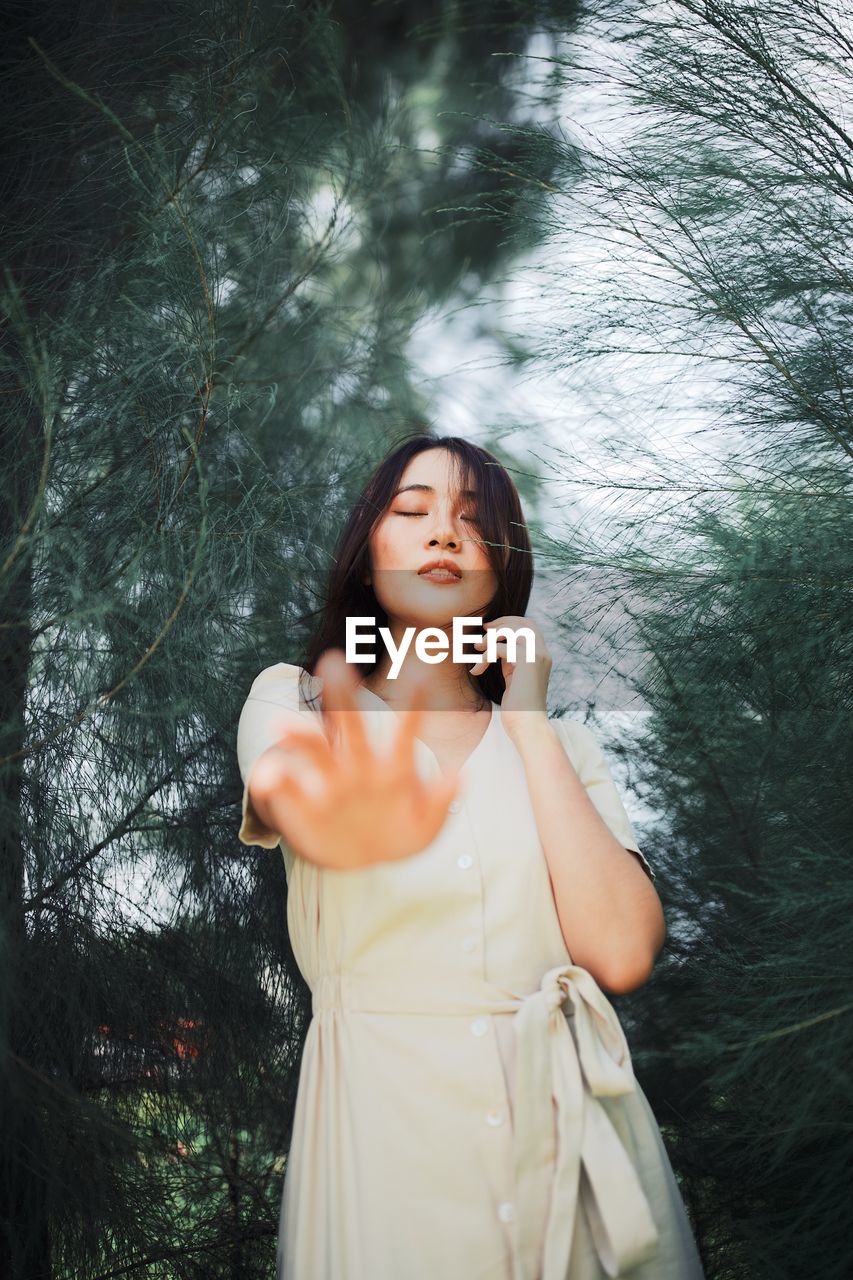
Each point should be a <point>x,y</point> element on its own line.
<point>444,533</point>
<point>447,528</point>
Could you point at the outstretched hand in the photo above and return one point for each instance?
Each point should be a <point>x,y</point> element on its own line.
<point>336,801</point>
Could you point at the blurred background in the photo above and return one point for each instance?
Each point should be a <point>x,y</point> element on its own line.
<point>246,247</point>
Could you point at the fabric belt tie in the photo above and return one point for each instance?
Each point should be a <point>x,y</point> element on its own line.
<point>570,1047</point>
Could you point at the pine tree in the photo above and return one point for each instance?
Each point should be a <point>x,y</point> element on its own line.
<point>221,228</point>
<point>720,221</point>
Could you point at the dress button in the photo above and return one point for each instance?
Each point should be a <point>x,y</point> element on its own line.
<point>479,1027</point>
<point>454,806</point>
<point>469,943</point>
<point>464,861</point>
<point>506,1212</point>
<point>494,1117</point>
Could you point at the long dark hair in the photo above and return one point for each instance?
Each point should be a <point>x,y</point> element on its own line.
<point>502,529</point>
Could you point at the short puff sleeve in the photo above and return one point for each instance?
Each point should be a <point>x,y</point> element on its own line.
<point>591,767</point>
<point>275,690</point>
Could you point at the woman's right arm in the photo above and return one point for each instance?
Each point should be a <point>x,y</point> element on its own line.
<point>320,786</point>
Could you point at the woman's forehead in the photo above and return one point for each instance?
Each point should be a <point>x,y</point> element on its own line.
<point>427,473</point>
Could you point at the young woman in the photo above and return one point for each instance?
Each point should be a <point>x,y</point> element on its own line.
<point>463,887</point>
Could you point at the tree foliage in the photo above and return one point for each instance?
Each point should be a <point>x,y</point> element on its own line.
<point>221,224</point>
<point>715,209</point>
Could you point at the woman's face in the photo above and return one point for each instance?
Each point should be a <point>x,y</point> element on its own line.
<point>423,524</point>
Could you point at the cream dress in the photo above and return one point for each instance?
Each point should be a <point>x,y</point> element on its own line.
<point>467,1107</point>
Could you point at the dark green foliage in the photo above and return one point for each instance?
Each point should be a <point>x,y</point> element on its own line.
<point>727,216</point>
<point>221,224</point>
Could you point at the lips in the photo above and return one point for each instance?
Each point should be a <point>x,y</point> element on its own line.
<point>438,566</point>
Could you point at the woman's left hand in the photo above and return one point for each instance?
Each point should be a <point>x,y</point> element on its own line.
<point>526,695</point>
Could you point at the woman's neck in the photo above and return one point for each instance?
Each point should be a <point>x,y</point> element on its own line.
<point>448,686</point>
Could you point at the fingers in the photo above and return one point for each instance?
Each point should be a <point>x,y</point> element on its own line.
<point>444,790</point>
<point>293,810</point>
<point>271,774</point>
<point>500,647</point>
<point>309,743</point>
<point>430,803</point>
<point>339,705</point>
<point>410,721</point>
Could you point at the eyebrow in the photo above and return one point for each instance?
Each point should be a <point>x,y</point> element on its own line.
<point>427,488</point>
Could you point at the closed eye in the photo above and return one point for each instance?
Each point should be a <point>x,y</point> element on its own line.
<point>423,513</point>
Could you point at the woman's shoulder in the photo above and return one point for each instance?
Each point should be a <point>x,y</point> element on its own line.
<point>574,733</point>
<point>285,683</point>
<point>581,743</point>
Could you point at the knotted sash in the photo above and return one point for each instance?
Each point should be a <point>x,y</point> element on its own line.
<point>570,1048</point>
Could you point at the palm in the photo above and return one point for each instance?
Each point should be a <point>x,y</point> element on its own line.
<point>354,806</point>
